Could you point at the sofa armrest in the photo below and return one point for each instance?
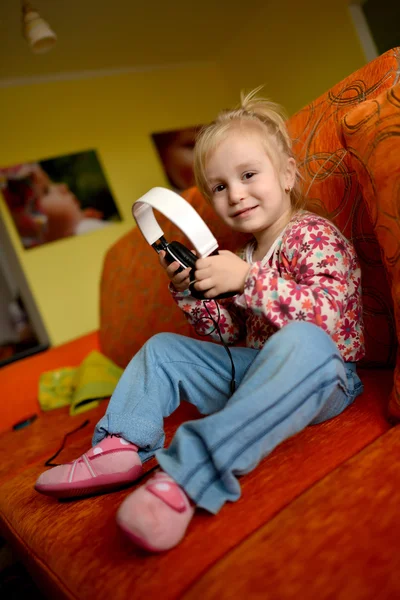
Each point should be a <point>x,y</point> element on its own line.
<point>19,380</point>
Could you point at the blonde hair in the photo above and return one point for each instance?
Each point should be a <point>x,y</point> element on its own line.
<point>269,118</point>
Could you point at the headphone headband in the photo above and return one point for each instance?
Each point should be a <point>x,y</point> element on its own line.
<point>177,210</point>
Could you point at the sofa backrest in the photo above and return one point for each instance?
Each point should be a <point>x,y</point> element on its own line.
<point>134,299</point>
<point>333,189</point>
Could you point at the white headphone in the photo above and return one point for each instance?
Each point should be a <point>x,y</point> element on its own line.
<point>184,216</point>
<point>177,210</point>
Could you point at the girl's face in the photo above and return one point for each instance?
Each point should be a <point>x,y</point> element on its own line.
<point>246,191</point>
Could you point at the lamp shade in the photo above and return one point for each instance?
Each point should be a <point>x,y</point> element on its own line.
<point>36,30</point>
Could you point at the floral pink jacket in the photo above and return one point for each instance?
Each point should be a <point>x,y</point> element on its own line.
<point>312,274</point>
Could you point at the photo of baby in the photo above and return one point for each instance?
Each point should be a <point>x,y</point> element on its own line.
<point>57,198</point>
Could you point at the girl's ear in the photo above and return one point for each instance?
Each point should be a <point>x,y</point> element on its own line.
<point>289,174</point>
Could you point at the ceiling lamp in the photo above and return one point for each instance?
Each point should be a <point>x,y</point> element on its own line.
<point>35,30</point>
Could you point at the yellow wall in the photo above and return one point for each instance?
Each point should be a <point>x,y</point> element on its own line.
<point>297,49</point>
<point>114,115</point>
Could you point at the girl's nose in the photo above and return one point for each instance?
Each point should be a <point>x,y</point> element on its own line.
<point>235,194</point>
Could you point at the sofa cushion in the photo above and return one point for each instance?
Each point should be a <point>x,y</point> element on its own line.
<point>331,185</point>
<point>37,443</point>
<point>372,136</point>
<point>339,540</point>
<point>67,545</point>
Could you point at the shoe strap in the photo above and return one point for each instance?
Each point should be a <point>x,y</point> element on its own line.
<point>168,491</point>
<point>86,461</point>
<point>111,444</point>
<point>102,448</point>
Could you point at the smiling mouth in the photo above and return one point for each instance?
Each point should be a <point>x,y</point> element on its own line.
<point>244,212</point>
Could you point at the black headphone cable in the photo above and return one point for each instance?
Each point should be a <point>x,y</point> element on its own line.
<point>216,328</point>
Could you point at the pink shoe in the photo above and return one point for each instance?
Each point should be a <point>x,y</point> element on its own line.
<point>109,465</point>
<point>156,515</point>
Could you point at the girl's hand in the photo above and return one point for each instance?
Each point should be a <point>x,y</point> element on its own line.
<point>180,280</point>
<point>220,273</point>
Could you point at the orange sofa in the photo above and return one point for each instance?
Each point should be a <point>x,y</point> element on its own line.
<point>318,518</point>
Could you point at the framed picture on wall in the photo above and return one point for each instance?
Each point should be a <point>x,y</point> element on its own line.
<point>175,149</point>
<point>58,198</point>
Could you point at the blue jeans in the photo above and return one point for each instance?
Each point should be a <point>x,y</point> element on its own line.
<point>298,378</point>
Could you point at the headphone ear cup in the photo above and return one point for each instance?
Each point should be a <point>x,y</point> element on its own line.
<point>179,252</point>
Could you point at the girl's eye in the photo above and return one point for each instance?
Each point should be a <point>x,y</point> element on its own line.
<point>248,175</point>
<point>218,188</point>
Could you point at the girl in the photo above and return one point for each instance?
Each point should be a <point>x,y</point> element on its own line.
<point>297,305</point>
